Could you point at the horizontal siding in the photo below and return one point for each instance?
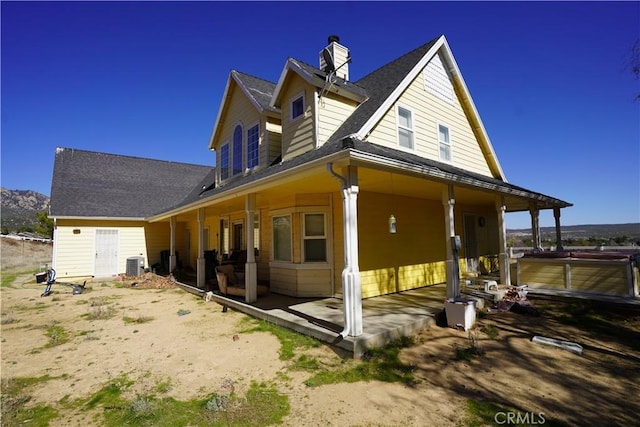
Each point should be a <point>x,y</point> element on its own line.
<point>541,274</point>
<point>283,281</point>
<point>585,276</point>
<point>274,146</point>
<point>599,277</point>
<point>239,110</point>
<point>428,111</point>
<point>297,135</point>
<point>415,276</point>
<point>158,238</point>
<point>304,282</point>
<point>332,112</point>
<point>314,283</point>
<point>75,255</point>
<point>412,257</point>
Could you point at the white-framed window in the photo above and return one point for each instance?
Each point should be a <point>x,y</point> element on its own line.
<point>282,247</point>
<point>314,237</point>
<point>253,139</point>
<point>297,106</point>
<point>224,161</point>
<point>444,142</point>
<point>237,150</point>
<point>224,236</point>
<point>405,128</point>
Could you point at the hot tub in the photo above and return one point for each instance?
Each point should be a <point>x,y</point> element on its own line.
<point>610,273</point>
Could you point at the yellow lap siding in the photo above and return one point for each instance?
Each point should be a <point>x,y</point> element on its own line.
<point>411,258</point>
<point>332,112</point>
<point>541,274</point>
<point>294,280</point>
<point>75,251</point>
<point>298,135</point>
<point>429,111</point>
<point>600,277</point>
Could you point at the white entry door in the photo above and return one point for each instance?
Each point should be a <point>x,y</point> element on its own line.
<point>106,253</point>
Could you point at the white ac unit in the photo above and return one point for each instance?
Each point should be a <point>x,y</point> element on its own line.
<point>135,266</point>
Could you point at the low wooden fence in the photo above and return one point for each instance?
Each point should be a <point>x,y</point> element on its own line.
<point>602,275</point>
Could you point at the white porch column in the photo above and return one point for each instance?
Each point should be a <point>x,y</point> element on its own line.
<point>535,227</point>
<point>172,244</point>
<point>351,285</point>
<point>250,269</point>
<point>200,266</point>
<point>448,201</point>
<point>556,215</point>
<point>505,268</point>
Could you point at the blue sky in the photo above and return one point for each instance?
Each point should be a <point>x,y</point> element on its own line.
<point>551,81</point>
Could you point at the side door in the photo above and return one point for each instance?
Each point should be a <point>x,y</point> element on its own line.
<point>106,246</point>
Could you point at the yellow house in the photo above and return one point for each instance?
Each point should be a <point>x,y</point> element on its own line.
<point>338,188</point>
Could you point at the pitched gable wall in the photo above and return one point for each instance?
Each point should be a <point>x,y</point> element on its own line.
<point>297,135</point>
<point>429,110</point>
<point>332,112</point>
<point>240,110</point>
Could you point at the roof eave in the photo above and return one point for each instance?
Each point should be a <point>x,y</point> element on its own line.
<point>233,77</point>
<point>312,79</point>
<point>254,186</point>
<point>97,218</point>
<point>447,177</point>
<point>384,107</point>
<point>472,111</point>
<point>220,112</point>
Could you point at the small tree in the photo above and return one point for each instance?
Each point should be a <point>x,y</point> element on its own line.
<point>45,225</point>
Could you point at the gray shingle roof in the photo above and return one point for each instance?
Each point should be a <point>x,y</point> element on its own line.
<point>260,89</point>
<point>432,168</point>
<point>379,85</point>
<point>339,82</point>
<point>90,184</point>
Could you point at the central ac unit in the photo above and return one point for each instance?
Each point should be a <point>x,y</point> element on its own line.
<point>135,266</point>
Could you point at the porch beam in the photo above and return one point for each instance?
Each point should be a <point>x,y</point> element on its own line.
<point>453,278</point>
<point>172,244</point>
<point>200,263</point>
<point>556,215</point>
<point>250,268</point>
<point>535,226</point>
<point>503,256</point>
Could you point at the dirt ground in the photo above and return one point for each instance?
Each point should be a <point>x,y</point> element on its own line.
<point>201,349</point>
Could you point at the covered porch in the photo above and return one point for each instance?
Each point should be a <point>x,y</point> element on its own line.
<point>386,317</point>
<point>390,223</point>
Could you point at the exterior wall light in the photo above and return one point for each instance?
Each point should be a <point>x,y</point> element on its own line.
<point>392,224</point>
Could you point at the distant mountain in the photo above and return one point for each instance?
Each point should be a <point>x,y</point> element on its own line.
<point>18,208</point>
<point>586,232</point>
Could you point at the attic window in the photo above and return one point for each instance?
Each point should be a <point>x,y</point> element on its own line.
<point>297,106</point>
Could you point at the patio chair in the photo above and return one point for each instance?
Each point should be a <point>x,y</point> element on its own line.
<point>229,284</point>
